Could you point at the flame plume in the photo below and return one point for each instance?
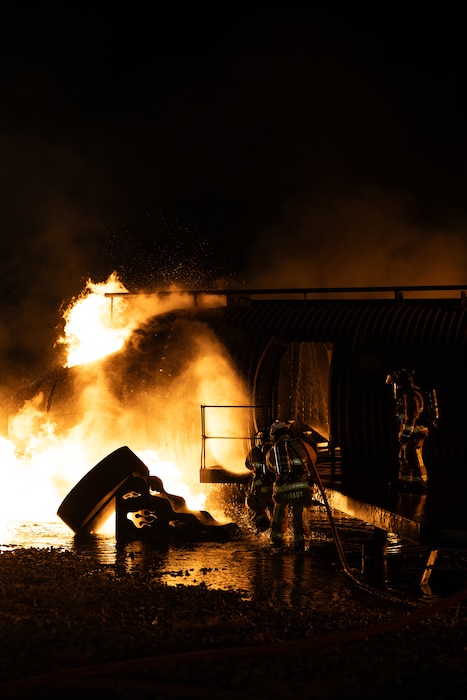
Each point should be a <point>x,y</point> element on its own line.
<point>50,447</point>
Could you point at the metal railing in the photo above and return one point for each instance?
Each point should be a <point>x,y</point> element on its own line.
<point>397,292</point>
<point>205,437</point>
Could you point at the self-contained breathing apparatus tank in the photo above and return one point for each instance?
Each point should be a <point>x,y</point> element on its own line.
<point>403,377</point>
<point>430,410</point>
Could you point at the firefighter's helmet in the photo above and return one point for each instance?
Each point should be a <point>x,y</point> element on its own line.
<point>279,428</point>
<point>400,376</point>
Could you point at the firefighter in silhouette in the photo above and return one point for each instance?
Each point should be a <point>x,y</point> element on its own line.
<point>292,462</point>
<point>259,491</point>
<point>412,430</point>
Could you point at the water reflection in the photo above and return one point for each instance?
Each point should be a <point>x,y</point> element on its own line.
<point>283,577</point>
<point>246,565</point>
<point>24,534</point>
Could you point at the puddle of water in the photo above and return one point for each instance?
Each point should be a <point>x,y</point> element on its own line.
<point>246,564</point>
<point>23,534</point>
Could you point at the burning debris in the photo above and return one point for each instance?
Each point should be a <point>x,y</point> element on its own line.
<point>144,510</point>
<point>132,369</point>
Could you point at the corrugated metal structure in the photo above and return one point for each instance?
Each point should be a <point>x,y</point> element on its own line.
<point>320,356</point>
<point>363,340</point>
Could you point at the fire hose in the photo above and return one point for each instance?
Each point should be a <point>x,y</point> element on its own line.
<point>108,674</point>
<point>335,534</point>
<point>337,541</point>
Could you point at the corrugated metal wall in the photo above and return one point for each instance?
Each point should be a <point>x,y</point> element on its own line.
<point>369,339</point>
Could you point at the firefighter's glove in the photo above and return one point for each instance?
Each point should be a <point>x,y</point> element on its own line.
<point>404,438</point>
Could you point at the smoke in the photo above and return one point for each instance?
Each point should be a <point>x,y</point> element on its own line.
<point>365,239</point>
<point>288,153</point>
<point>49,246</point>
<point>295,150</point>
<point>146,393</point>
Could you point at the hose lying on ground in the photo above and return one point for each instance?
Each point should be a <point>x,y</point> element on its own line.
<point>340,550</point>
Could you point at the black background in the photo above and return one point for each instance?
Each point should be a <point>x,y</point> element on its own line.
<point>204,145</point>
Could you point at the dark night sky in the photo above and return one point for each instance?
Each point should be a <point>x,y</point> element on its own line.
<point>286,147</point>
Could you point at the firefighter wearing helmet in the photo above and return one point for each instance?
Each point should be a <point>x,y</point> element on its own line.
<point>412,430</point>
<point>292,462</point>
<point>259,491</point>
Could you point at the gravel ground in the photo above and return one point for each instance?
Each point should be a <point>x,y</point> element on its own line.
<point>71,628</point>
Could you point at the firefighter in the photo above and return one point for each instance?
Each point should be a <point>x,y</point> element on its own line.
<point>259,491</point>
<point>412,430</point>
<point>292,462</point>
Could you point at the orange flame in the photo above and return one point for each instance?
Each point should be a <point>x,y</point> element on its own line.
<point>43,460</point>
<point>91,331</point>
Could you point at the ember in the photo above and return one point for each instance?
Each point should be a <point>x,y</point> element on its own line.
<point>73,416</point>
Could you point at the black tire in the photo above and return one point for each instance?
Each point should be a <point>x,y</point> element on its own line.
<point>90,503</point>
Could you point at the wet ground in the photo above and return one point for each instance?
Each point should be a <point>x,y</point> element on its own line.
<point>248,564</point>
<point>86,632</point>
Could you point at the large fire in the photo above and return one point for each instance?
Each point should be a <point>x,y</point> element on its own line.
<point>41,461</point>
